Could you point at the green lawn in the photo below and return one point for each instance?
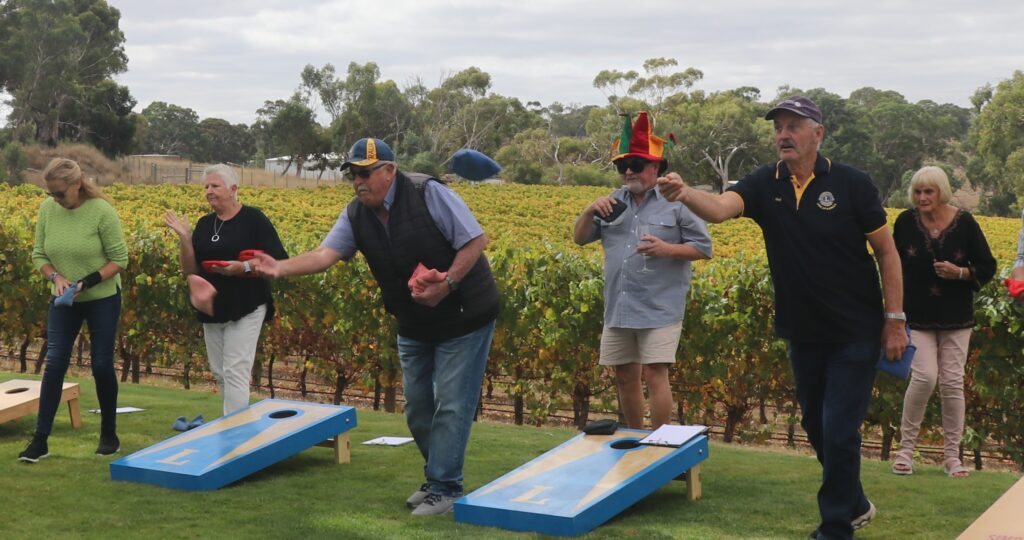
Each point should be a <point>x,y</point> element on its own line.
<point>748,492</point>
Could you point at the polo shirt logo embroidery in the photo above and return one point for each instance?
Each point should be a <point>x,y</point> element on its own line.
<point>826,201</point>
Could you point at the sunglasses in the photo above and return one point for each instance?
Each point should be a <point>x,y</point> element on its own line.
<point>635,164</point>
<point>363,173</point>
<point>58,194</point>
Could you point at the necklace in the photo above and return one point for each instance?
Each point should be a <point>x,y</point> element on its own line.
<point>216,229</point>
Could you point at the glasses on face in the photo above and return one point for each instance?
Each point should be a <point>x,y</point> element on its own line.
<point>635,164</point>
<point>57,195</point>
<point>363,173</point>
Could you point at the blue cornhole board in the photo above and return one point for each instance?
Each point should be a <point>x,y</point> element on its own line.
<point>235,446</point>
<point>579,485</point>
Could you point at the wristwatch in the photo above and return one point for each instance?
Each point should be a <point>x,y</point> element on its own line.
<point>452,284</point>
<point>246,267</point>
<point>53,277</point>
<point>895,316</point>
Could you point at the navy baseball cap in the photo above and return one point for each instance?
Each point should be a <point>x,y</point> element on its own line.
<point>368,151</point>
<point>801,105</point>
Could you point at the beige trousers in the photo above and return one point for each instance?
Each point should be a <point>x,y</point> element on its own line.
<point>940,357</point>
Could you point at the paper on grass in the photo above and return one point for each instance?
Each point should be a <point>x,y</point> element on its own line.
<point>120,410</point>
<point>669,435</point>
<point>390,441</point>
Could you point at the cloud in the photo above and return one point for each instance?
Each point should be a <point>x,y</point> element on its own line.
<point>224,59</point>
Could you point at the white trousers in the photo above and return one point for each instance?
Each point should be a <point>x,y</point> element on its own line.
<point>231,348</point>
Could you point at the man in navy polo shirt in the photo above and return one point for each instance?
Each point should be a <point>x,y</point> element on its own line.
<point>815,215</point>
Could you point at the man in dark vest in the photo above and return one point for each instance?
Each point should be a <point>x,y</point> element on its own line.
<point>445,319</point>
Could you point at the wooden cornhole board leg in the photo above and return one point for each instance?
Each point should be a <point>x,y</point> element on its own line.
<point>21,397</point>
<point>693,483</point>
<point>342,448</point>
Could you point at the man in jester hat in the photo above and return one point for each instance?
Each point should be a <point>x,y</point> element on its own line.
<point>648,244</point>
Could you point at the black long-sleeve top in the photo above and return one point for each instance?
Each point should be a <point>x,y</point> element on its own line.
<point>933,303</point>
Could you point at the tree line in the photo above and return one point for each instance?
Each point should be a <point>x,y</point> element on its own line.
<point>58,57</point>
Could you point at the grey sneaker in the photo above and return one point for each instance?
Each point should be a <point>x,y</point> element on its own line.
<point>864,518</point>
<point>434,504</point>
<point>417,497</point>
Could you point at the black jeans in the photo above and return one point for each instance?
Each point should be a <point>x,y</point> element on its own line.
<point>62,326</point>
<point>833,387</point>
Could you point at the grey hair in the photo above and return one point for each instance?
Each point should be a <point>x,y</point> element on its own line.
<point>224,172</point>
<point>814,125</point>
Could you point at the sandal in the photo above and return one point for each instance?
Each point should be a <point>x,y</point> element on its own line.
<point>902,464</point>
<point>955,468</point>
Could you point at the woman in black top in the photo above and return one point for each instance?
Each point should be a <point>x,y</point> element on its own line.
<point>945,260</point>
<point>241,301</point>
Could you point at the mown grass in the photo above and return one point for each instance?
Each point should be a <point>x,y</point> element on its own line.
<point>748,492</point>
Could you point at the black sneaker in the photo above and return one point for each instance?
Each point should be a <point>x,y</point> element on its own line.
<point>859,521</point>
<point>36,450</point>
<point>109,444</point>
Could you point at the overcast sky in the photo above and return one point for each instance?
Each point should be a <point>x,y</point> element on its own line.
<point>224,59</point>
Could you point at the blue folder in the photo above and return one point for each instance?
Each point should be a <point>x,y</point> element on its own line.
<point>900,368</point>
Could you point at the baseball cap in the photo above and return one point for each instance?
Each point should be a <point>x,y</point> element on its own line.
<point>801,105</point>
<point>368,151</point>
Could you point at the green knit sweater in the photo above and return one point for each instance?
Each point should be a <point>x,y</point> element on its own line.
<point>80,241</point>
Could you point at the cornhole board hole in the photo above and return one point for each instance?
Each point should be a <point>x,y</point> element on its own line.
<point>582,483</point>
<point>20,397</point>
<point>1002,520</point>
<point>234,446</point>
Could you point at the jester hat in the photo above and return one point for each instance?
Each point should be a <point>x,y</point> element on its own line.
<point>637,140</point>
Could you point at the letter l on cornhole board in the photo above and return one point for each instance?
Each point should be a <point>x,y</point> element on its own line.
<point>234,446</point>
<point>580,484</point>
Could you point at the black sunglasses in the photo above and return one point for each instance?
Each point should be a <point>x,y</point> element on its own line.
<point>635,164</point>
<point>363,173</point>
<point>58,194</point>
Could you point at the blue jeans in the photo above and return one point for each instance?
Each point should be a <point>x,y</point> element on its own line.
<point>441,383</point>
<point>62,326</point>
<point>833,387</point>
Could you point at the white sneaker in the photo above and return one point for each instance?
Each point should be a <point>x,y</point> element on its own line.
<point>434,504</point>
<point>417,497</point>
<point>864,518</point>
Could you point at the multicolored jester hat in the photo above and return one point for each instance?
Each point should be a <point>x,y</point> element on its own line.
<point>637,140</point>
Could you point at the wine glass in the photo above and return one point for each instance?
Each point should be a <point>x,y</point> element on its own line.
<point>642,230</point>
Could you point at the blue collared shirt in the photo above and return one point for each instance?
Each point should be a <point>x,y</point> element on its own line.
<point>450,213</point>
<point>654,299</point>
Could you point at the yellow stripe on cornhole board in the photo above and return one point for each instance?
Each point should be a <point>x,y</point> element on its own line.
<point>1002,520</point>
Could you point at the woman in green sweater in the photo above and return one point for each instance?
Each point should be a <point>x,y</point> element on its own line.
<point>79,247</point>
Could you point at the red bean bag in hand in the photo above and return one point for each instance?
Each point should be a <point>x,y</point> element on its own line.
<point>1014,287</point>
<point>427,274</point>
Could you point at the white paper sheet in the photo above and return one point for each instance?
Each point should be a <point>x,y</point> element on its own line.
<point>390,441</point>
<point>669,435</point>
<point>120,410</point>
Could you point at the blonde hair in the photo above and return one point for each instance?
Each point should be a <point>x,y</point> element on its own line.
<point>67,171</point>
<point>934,177</point>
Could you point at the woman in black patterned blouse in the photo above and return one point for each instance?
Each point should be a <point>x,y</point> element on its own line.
<point>945,260</point>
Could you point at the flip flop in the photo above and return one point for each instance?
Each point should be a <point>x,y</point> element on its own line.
<point>196,422</point>
<point>955,468</point>
<point>902,465</point>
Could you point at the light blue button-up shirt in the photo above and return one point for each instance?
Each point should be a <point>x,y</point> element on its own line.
<point>1020,244</point>
<point>449,211</point>
<point>654,299</point>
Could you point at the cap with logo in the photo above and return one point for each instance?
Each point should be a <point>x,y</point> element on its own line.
<point>366,152</point>
<point>801,105</point>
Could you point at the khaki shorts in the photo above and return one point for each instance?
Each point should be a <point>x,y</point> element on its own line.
<point>621,346</point>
